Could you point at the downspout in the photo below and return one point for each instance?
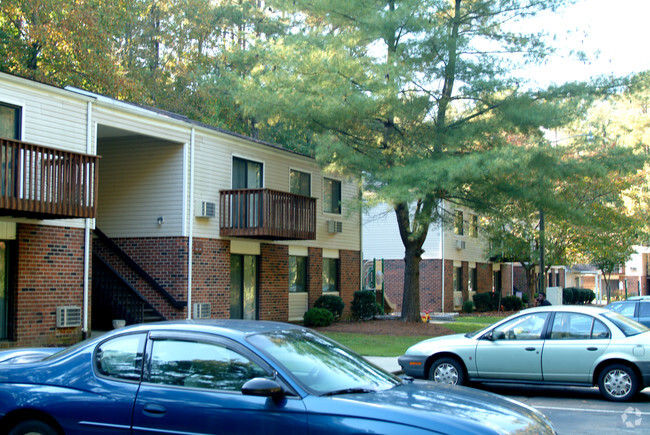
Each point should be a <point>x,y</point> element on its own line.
<point>87,225</point>
<point>442,257</point>
<point>190,241</point>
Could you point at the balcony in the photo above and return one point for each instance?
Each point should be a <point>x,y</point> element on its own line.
<point>46,183</point>
<point>266,214</point>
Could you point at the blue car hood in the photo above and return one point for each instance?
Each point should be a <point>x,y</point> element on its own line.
<point>445,408</point>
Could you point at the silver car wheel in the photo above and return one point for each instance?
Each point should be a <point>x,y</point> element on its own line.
<point>446,373</point>
<point>618,383</point>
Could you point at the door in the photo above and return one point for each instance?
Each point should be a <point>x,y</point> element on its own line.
<point>194,386</point>
<point>513,349</point>
<point>243,287</point>
<point>574,344</point>
<point>247,207</point>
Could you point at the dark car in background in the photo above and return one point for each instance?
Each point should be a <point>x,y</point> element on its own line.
<point>235,377</point>
<point>636,308</point>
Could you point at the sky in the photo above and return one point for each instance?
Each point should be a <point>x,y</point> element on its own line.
<point>614,32</point>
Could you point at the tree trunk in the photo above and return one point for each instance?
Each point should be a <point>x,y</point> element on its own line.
<point>411,296</point>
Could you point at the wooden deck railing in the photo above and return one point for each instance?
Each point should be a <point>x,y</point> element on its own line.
<point>41,182</point>
<point>267,214</point>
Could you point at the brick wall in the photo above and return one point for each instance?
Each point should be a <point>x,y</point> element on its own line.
<point>274,283</point>
<point>314,275</point>
<point>350,271</point>
<point>211,275</point>
<point>49,274</point>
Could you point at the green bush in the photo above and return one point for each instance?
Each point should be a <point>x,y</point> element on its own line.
<point>318,317</point>
<point>468,307</point>
<point>512,303</point>
<point>486,301</point>
<point>332,303</point>
<point>364,305</point>
<point>567,296</point>
<point>577,296</point>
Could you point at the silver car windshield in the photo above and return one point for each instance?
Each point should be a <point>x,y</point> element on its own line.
<point>320,365</point>
<point>625,324</point>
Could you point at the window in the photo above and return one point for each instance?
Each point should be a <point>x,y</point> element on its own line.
<point>574,326</point>
<point>297,274</point>
<point>9,121</point>
<point>244,286</point>
<point>458,223</point>
<point>300,183</point>
<point>246,174</point>
<point>458,279</point>
<point>526,327</point>
<point>330,275</point>
<point>473,226</point>
<point>121,357</point>
<point>200,365</point>
<point>471,285</point>
<point>332,196</point>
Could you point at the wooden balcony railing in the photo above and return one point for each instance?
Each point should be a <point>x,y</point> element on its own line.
<point>46,183</point>
<point>267,214</point>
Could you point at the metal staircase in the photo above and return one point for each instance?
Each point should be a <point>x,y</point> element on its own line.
<point>114,296</point>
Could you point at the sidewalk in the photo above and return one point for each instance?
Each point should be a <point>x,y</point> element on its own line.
<point>388,363</point>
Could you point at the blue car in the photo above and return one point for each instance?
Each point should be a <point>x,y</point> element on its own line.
<point>234,377</point>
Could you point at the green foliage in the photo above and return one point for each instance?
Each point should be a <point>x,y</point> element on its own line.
<point>512,303</point>
<point>332,303</point>
<point>468,307</point>
<point>316,317</point>
<point>577,296</point>
<point>364,305</point>
<point>486,301</point>
<point>567,295</point>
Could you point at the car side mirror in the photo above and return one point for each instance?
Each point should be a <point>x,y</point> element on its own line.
<point>263,387</point>
<point>495,335</point>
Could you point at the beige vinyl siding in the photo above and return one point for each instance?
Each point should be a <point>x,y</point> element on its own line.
<point>213,172</point>
<point>140,181</point>
<point>50,116</point>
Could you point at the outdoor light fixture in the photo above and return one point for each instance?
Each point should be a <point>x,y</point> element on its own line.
<point>160,220</point>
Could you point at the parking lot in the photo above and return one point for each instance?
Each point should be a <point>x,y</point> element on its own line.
<point>582,410</point>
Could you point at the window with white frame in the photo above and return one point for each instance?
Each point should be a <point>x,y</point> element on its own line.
<point>300,182</point>
<point>332,196</point>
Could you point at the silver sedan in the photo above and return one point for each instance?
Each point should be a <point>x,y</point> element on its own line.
<point>553,345</point>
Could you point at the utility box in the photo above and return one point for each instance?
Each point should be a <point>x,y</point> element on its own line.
<point>554,295</point>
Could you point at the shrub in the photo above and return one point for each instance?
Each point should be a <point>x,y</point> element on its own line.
<point>512,303</point>
<point>577,296</point>
<point>318,317</point>
<point>364,305</point>
<point>332,303</point>
<point>468,307</point>
<point>486,301</point>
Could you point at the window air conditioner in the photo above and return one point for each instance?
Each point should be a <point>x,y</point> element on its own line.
<point>68,317</point>
<point>334,226</point>
<point>460,244</point>
<point>202,310</point>
<point>206,209</point>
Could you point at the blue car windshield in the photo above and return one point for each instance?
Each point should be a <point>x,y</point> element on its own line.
<point>625,324</point>
<point>320,365</point>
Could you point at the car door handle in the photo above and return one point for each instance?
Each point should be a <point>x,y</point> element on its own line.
<point>592,349</point>
<point>154,410</point>
<point>530,349</point>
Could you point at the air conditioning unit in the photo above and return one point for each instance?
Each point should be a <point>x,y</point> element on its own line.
<point>68,317</point>
<point>202,310</point>
<point>334,226</point>
<point>206,209</point>
<point>460,244</point>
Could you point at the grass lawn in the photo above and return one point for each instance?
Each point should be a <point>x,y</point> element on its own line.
<point>390,345</point>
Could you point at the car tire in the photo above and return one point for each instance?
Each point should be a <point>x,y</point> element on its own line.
<point>447,371</point>
<point>618,383</point>
<point>32,427</point>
